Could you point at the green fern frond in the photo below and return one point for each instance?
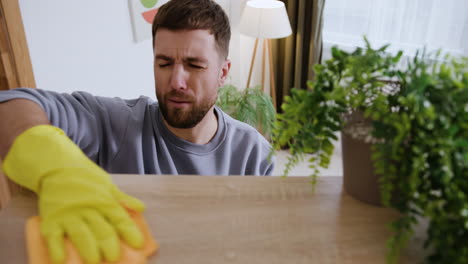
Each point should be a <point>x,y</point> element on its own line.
<point>251,106</point>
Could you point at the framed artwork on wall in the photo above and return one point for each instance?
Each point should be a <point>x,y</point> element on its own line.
<point>142,13</point>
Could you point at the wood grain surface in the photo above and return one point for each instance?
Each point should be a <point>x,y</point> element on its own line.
<point>16,68</point>
<point>234,219</point>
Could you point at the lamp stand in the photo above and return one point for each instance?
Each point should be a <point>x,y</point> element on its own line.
<point>252,62</point>
<point>266,47</point>
<point>272,73</point>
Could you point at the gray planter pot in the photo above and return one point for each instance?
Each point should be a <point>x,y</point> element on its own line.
<point>359,179</point>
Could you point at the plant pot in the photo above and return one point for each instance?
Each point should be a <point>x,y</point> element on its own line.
<point>359,179</point>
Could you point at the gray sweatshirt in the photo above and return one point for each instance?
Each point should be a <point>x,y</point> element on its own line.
<point>128,136</point>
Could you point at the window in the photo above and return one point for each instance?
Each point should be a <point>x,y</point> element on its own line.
<point>407,25</point>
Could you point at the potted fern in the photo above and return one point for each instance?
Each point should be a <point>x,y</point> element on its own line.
<point>415,122</point>
<point>251,106</point>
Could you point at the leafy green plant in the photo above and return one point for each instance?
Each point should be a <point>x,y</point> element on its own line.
<point>419,131</point>
<point>251,106</point>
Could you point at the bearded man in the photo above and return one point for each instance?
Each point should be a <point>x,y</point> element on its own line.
<point>63,146</point>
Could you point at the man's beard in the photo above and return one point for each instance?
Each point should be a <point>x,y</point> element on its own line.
<point>184,117</point>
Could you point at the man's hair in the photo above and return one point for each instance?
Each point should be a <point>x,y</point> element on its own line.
<point>195,14</point>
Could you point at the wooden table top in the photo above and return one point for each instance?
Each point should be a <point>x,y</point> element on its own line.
<point>212,219</point>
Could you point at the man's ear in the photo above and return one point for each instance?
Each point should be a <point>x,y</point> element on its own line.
<point>224,72</point>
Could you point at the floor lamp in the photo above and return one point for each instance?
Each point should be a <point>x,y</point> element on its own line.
<point>265,20</point>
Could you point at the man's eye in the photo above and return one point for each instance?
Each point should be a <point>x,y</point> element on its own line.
<point>196,66</point>
<point>164,65</point>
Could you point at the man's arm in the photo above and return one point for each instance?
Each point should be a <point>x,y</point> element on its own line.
<point>76,198</point>
<point>16,116</point>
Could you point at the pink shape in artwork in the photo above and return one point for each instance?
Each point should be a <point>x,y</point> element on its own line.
<point>149,15</point>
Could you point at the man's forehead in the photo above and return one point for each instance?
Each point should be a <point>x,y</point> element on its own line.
<point>188,44</point>
<point>181,38</point>
<point>182,54</point>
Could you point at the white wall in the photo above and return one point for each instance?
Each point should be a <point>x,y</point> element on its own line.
<point>88,45</point>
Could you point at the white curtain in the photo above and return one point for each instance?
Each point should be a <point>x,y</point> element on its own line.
<point>407,25</point>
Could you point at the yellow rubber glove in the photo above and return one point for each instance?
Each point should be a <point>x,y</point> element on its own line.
<point>76,197</point>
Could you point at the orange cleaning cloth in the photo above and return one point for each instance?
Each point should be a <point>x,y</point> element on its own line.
<point>38,252</point>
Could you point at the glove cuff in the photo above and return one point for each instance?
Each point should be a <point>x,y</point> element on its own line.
<point>38,152</point>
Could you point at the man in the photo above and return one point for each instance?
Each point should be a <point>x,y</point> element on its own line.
<point>51,143</point>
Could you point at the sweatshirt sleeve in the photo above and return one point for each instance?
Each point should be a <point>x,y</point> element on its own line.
<point>96,124</point>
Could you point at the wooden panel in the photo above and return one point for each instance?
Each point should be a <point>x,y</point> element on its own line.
<point>3,79</point>
<point>7,77</point>
<point>16,69</point>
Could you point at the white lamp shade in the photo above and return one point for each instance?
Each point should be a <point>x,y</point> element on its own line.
<point>265,19</point>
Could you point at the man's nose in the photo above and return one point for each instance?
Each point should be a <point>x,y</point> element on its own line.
<point>178,77</point>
